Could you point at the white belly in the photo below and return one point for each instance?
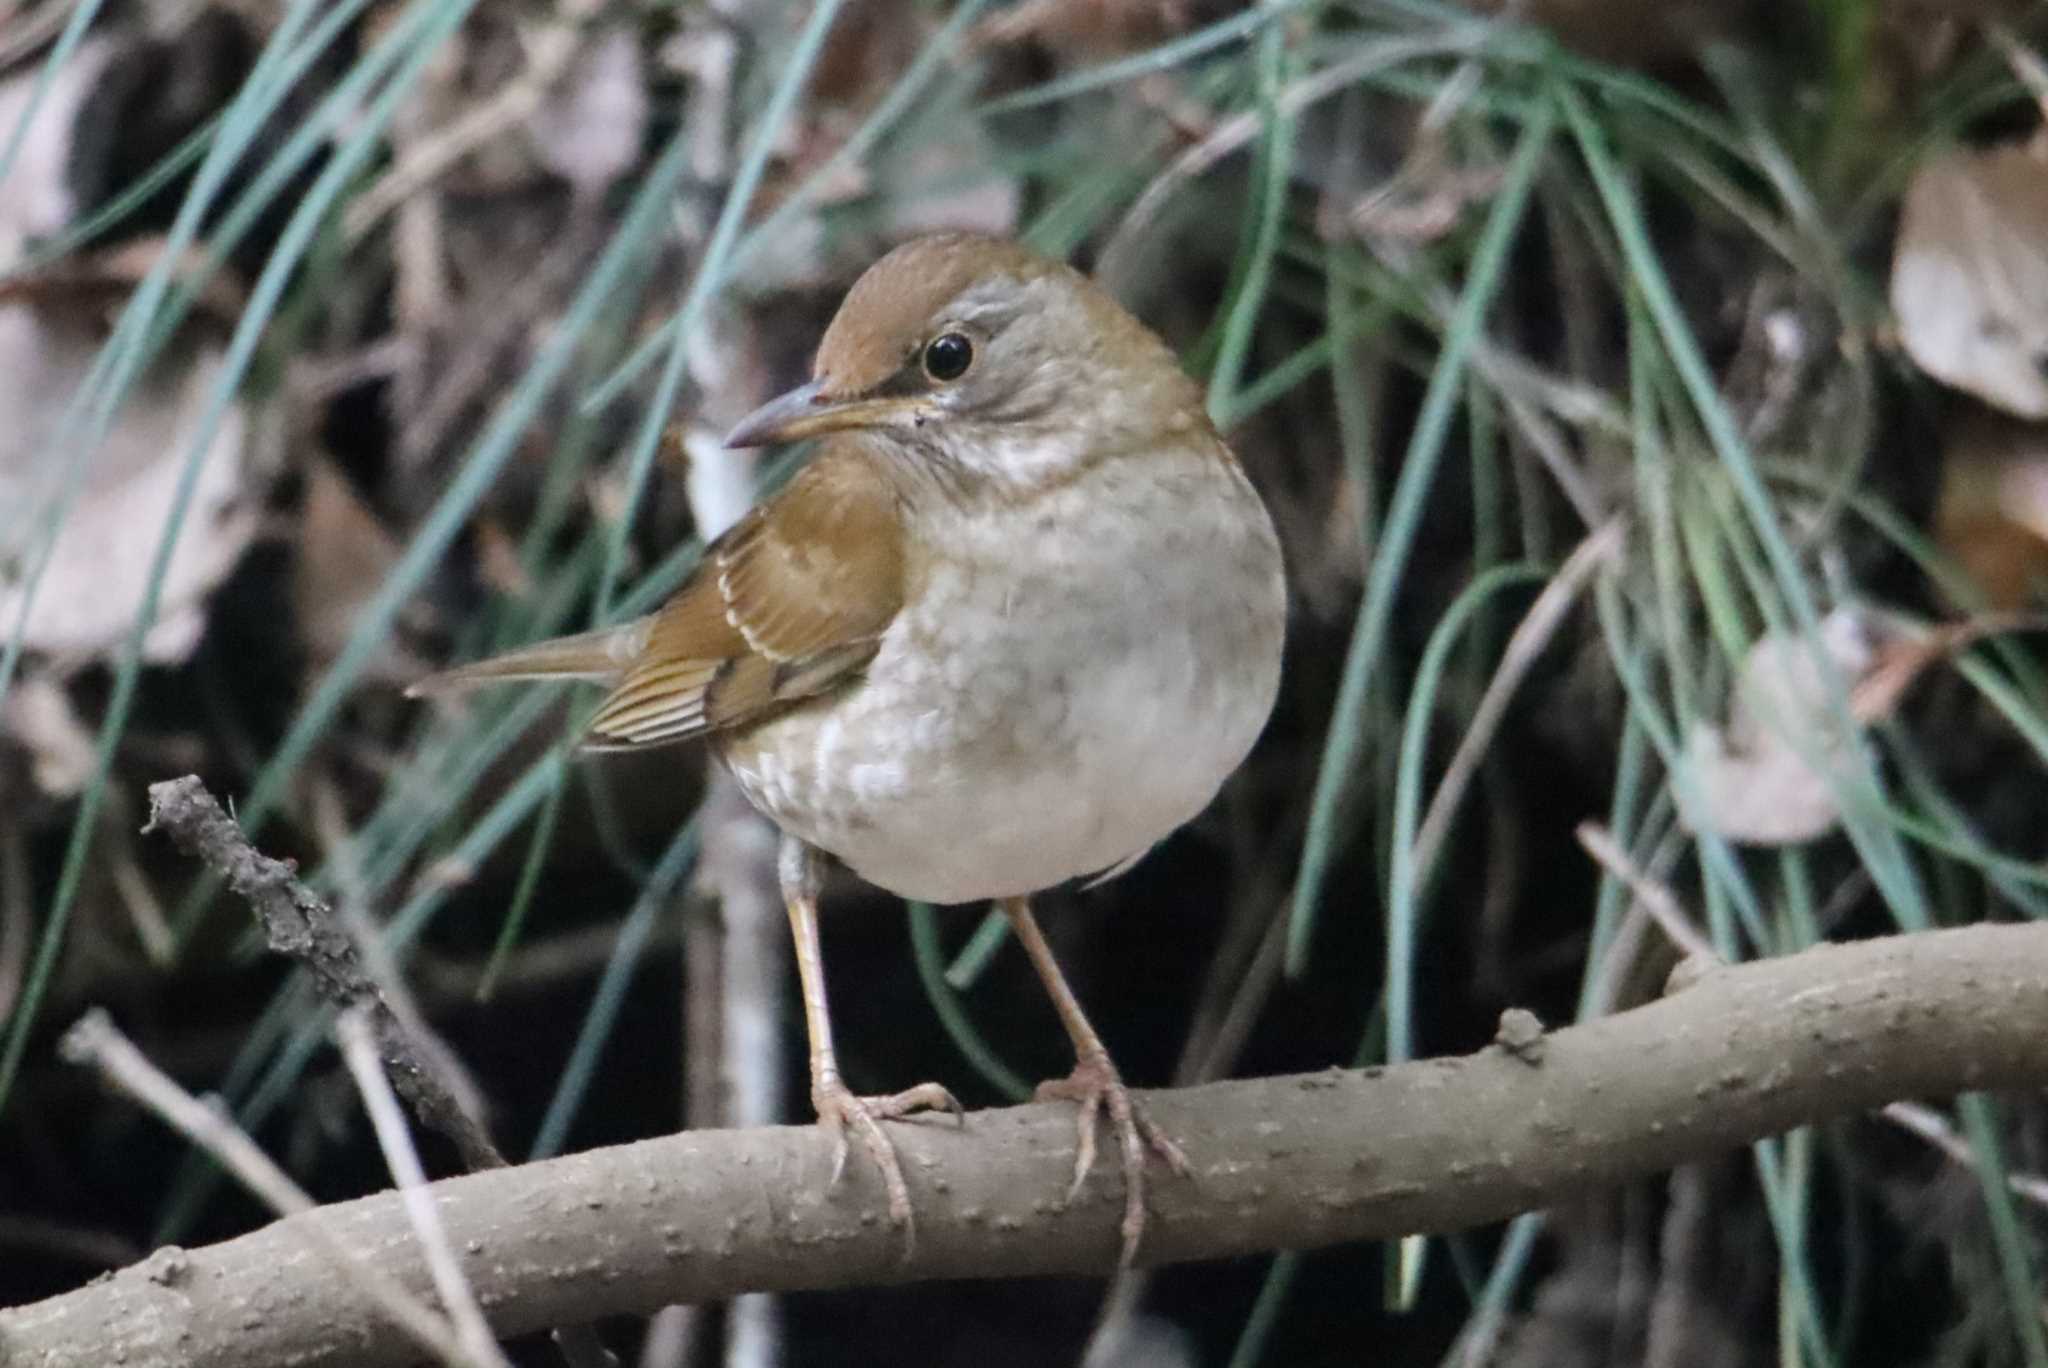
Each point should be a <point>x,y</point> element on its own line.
<point>1032,718</point>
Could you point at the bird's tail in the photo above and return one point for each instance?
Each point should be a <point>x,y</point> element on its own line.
<point>601,655</point>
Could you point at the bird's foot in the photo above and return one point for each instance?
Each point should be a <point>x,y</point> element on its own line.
<point>840,1111</point>
<point>1096,1086</point>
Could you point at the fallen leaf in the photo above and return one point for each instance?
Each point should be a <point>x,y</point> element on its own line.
<point>1089,30</point>
<point>589,127</point>
<point>1771,776</point>
<point>101,560</point>
<point>114,501</point>
<point>1992,514</point>
<point>1970,275</point>
<point>344,553</point>
<point>38,714</point>
<point>36,199</point>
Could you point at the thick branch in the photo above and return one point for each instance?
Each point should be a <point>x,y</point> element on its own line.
<point>1279,1163</point>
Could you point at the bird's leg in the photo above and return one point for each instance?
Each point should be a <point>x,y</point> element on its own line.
<point>1097,1086</point>
<point>837,1107</point>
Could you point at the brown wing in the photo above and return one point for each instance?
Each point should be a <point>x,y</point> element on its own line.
<point>788,603</point>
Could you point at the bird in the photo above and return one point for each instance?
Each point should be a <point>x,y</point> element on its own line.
<point>1015,621</point>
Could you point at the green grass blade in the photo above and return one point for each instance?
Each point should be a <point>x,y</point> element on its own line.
<point>638,928</point>
<point>953,1014</point>
<point>705,281</point>
<point>68,39</point>
<point>248,329</point>
<point>1265,1314</point>
<point>900,99</point>
<point>1342,750</point>
<point>1263,215</point>
<point>1979,1115</point>
<point>1164,57</point>
<point>1405,882</point>
<point>529,880</point>
<point>980,950</point>
<point>486,458</point>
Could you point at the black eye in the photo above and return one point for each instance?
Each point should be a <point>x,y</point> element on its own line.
<point>947,356</point>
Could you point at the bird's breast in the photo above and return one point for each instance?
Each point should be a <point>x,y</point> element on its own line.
<point>1067,683</point>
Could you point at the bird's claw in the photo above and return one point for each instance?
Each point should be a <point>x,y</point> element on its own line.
<point>840,1109</point>
<point>1095,1085</point>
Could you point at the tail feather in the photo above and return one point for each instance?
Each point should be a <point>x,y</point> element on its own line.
<point>601,655</point>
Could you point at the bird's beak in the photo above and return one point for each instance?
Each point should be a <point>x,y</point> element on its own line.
<point>807,411</point>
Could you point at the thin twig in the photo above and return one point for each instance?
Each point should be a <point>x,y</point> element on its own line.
<point>737,868</point>
<point>1238,130</point>
<point>301,925</point>
<point>46,1241</point>
<point>359,1051</point>
<point>1654,897</point>
<point>95,1041</point>
<point>548,54</point>
<point>1932,1127</point>
<point>1528,641</point>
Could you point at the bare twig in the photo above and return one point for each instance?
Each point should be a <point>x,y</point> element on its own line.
<point>300,925</point>
<point>1654,897</point>
<point>359,1051</point>
<point>1530,636</point>
<point>549,51</point>
<point>1932,1127</point>
<point>97,1042</point>
<point>1298,1162</point>
<point>738,870</point>
<point>1235,132</point>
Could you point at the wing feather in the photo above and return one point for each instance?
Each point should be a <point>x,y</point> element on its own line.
<point>788,604</point>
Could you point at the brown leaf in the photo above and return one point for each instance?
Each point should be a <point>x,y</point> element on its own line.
<point>1773,774</point>
<point>1992,514</point>
<point>1089,30</point>
<point>1970,275</point>
<point>344,553</point>
<point>101,281</point>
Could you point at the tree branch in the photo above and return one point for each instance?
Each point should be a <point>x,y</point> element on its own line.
<point>1290,1162</point>
<point>301,926</point>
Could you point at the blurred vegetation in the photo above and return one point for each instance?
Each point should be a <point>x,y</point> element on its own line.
<point>345,337</point>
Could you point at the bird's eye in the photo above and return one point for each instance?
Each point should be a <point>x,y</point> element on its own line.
<point>947,356</point>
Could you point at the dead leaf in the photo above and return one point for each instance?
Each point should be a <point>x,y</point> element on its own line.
<point>1992,514</point>
<point>1772,775</point>
<point>497,559</point>
<point>38,714</point>
<point>102,280</point>
<point>100,564</point>
<point>344,553</point>
<point>35,195</point>
<point>1089,30</point>
<point>1970,275</point>
<point>588,128</point>
<point>52,324</point>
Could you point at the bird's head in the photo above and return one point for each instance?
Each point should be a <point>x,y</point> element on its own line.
<point>980,353</point>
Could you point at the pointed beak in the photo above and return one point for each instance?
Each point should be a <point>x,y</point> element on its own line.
<point>807,411</point>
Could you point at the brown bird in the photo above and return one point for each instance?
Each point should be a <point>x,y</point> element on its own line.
<point>1016,620</point>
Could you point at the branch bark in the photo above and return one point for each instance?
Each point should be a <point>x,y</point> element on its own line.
<point>299,925</point>
<point>1291,1162</point>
